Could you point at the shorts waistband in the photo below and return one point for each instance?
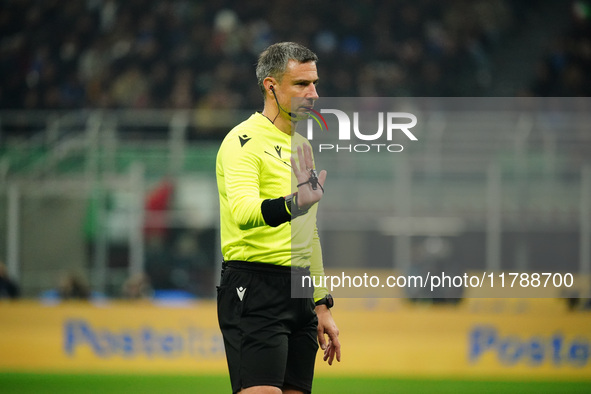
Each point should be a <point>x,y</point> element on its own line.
<point>264,268</point>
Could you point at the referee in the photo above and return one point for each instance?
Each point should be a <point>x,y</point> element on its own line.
<point>271,338</point>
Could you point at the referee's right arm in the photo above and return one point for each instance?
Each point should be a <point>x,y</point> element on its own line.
<point>241,171</point>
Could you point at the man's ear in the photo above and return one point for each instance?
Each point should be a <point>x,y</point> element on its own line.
<point>269,83</point>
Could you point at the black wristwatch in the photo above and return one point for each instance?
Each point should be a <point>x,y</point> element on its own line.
<point>291,203</point>
<point>328,301</point>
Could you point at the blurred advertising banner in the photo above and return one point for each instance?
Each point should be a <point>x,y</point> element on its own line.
<point>488,338</point>
<point>119,337</point>
<point>529,339</point>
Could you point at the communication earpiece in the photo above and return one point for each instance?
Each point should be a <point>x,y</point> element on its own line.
<point>272,89</point>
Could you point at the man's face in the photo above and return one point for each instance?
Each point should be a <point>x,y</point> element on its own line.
<point>297,90</point>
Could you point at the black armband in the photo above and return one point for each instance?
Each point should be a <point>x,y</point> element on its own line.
<point>274,211</point>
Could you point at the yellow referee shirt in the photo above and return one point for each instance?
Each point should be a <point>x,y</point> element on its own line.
<point>252,165</point>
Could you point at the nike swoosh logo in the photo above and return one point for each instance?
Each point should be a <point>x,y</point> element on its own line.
<point>241,290</point>
<point>244,139</point>
<point>276,158</point>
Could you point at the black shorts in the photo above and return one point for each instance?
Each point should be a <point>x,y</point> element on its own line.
<point>270,338</point>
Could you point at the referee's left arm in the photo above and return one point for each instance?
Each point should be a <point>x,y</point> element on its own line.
<point>326,324</point>
<point>317,267</point>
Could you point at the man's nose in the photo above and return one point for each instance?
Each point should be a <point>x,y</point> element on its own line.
<point>311,92</point>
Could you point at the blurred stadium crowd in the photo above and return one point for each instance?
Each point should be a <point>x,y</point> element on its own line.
<point>69,54</point>
<point>564,71</point>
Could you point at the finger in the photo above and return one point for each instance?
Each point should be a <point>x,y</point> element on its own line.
<point>295,169</point>
<point>329,354</point>
<point>301,160</point>
<point>336,347</point>
<point>308,156</point>
<point>296,162</point>
<point>321,340</point>
<point>327,351</point>
<point>335,344</point>
<point>322,177</point>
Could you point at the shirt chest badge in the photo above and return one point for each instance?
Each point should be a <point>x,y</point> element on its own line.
<point>243,139</point>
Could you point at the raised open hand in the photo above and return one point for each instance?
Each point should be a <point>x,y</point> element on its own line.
<point>310,187</point>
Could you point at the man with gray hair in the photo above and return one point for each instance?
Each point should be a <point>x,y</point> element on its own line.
<point>271,337</point>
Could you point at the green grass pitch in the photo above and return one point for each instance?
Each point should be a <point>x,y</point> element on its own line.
<point>23,383</point>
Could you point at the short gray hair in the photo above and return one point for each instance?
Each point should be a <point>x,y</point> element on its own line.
<point>273,60</point>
